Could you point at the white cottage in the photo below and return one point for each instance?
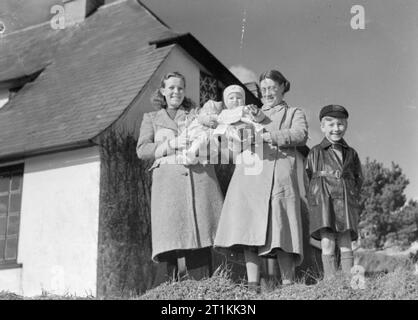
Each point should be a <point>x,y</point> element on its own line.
<point>74,218</point>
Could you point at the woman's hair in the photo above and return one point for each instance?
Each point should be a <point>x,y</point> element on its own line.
<point>158,100</point>
<point>277,77</point>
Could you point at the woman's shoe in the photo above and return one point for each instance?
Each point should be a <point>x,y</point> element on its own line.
<point>287,282</point>
<point>254,286</point>
<point>183,276</point>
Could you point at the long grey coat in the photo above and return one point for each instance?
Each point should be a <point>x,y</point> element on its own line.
<point>186,201</point>
<point>264,209</point>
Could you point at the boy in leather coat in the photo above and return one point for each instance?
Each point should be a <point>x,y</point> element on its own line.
<point>335,179</point>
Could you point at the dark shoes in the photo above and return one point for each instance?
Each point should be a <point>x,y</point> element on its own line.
<point>254,287</point>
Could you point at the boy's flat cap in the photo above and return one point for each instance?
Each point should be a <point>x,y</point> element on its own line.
<point>333,110</point>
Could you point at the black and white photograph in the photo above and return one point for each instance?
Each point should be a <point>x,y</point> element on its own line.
<point>196,150</point>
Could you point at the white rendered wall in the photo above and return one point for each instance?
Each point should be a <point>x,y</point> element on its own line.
<point>59,223</point>
<point>11,280</point>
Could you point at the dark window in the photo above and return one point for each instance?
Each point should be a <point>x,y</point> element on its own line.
<point>10,203</point>
<point>209,88</point>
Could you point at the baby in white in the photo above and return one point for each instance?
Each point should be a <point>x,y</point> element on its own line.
<point>231,119</point>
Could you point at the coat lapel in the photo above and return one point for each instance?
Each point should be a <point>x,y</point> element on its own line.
<point>326,145</point>
<point>181,120</point>
<point>347,154</point>
<point>180,117</point>
<point>277,115</point>
<point>335,159</point>
<point>163,120</point>
<point>274,117</point>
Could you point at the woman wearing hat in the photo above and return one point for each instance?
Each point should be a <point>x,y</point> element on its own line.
<point>261,212</point>
<point>186,201</point>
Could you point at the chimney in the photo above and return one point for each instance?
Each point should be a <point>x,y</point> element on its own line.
<point>254,88</point>
<point>77,10</point>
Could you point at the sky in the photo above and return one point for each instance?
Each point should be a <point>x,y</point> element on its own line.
<point>17,14</point>
<point>372,72</point>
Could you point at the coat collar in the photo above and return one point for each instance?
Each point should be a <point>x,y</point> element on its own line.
<point>325,143</point>
<point>278,107</point>
<point>164,120</point>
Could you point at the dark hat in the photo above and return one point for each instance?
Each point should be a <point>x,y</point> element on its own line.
<point>333,110</point>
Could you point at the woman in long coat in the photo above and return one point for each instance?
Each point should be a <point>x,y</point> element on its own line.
<point>261,212</point>
<point>186,201</point>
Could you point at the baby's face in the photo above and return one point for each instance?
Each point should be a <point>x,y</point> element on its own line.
<point>234,100</point>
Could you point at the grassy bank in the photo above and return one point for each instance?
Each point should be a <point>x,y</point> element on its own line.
<point>399,284</point>
<point>386,278</point>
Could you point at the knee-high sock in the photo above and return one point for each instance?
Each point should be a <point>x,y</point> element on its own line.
<point>328,260</point>
<point>252,264</point>
<point>286,263</point>
<point>347,261</point>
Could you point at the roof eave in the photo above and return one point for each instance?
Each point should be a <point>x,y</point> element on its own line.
<point>141,3</point>
<point>20,81</point>
<point>44,151</point>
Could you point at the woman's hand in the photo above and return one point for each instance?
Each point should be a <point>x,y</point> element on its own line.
<point>178,143</point>
<point>213,121</point>
<point>267,137</point>
<point>213,124</point>
<point>254,112</point>
<point>208,120</point>
<point>251,109</point>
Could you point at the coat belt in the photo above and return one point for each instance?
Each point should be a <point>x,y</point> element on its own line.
<point>333,174</point>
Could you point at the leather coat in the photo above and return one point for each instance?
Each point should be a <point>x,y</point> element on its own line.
<point>334,188</point>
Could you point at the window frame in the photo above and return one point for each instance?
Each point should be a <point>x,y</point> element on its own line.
<point>204,74</point>
<point>10,171</point>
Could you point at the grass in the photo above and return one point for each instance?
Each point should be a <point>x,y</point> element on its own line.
<point>4,295</point>
<point>387,278</point>
<point>399,284</point>
<point>375,262</point>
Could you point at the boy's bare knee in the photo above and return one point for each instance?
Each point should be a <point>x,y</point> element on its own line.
<point>327,242</point>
